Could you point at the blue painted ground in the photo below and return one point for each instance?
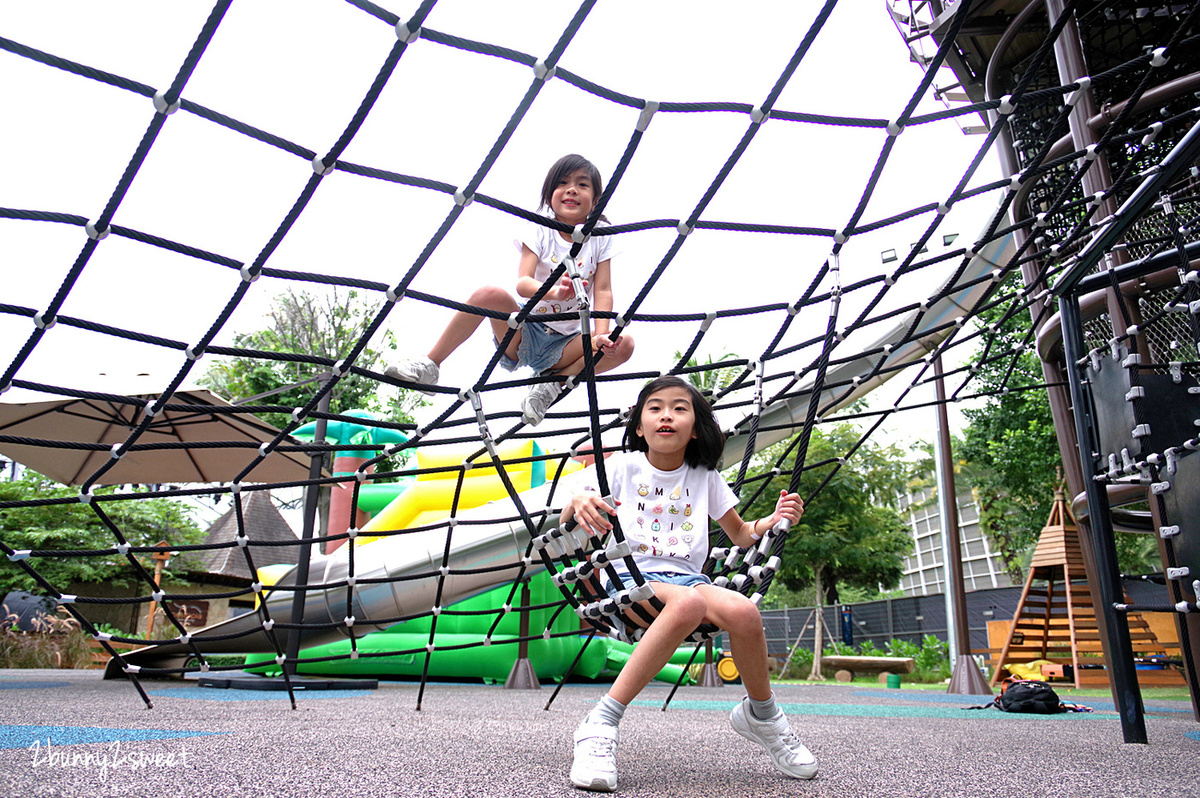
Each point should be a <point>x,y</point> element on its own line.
<point>28,736</point>
<point>11,685</point>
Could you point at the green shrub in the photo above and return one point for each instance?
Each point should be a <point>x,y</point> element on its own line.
<point>902,648</point>
<point>868,649</point>
<point>800,665</point>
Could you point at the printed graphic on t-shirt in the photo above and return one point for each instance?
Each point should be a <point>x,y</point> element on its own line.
<point>660,526</point>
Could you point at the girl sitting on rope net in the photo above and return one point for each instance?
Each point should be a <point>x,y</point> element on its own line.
<point>665,488</point>
<point>554,345</point>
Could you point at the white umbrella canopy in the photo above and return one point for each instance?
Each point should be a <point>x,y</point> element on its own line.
<point>60,425</point>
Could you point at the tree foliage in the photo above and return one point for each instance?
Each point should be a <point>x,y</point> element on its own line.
<point>712,377</point>
<point>1010,452</point>
<point>1011,442</point>
<point>851,534</point>
<point>326,325</point>
<point>74,526</point>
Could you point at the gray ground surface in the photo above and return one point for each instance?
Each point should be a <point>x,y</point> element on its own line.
<point>476,740</point>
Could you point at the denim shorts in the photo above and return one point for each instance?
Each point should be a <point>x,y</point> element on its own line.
<point>540,347</point>
<point>670,577</point>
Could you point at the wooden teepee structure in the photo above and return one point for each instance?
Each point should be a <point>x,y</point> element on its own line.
<point>1055,619</point>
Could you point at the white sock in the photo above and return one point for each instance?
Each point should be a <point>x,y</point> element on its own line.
<point>763,710</point>
<point>607,711</point>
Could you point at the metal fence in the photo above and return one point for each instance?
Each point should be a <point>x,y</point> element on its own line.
<point>909,618</point>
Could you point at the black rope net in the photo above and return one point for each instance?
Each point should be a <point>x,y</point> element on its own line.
<point>826,330</point>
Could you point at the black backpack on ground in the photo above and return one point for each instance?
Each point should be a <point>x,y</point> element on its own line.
<point>1030,696</point>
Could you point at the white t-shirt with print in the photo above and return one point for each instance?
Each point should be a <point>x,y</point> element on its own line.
<point>551,249</point>
<point>664,514</point>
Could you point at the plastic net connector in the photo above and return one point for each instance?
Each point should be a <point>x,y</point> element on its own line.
<point>840,237</point>
<point>894,128</point>
<point>115,452</point>
<point>1165,532</point>
<point>256,587</point>
<point>642,592</point>
<point>577,234</point>
<point>1014,183</point>
<point>320,167</point>
<point>249,273</point>
<point>612,553</point>
<point>758,115</point>
<point>513,322</point>
<point>94,234</point>
<point>568,576</point>
<point>280,659</point>
<point>1155,129</point>
<point>543,72</point>
<point>86,497</point>
<point>406,34</point>
<point>268,625</point>
<point>1007,106</point>
<point>124,548</point>
<point>394,295</point>
<point>684,229</point>
<point>162,106</point>
<point>1084,84</point>
<point>1158,57</point>
<point>648,112</point>
<point>66,598</point>
<point>184,638</point>
<point>17,556</point>
<point>462,199</point>
<point>41,321</point>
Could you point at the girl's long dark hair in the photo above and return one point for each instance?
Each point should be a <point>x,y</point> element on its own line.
<point>703,450</point>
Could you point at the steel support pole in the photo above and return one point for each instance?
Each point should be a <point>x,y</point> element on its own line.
<point>1118,652</point>
<point>311,496</point>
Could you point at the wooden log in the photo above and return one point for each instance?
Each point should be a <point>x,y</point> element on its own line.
<point>871,664</point>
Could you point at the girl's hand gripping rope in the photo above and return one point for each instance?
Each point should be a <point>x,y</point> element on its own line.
<point>590,511</point>
<point>788,507</point>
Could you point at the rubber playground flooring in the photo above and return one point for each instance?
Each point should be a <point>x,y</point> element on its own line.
<point>69,733</point>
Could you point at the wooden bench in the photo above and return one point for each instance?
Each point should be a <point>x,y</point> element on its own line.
<point>848,666</point>
<point>100,657</point>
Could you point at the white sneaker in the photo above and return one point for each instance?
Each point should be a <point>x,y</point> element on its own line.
<point>787,754</point>
<point>595,765</point>
<point>535,405</point>
<point>420,370</point>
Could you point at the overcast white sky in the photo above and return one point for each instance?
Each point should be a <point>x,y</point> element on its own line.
<point>299,68</point>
